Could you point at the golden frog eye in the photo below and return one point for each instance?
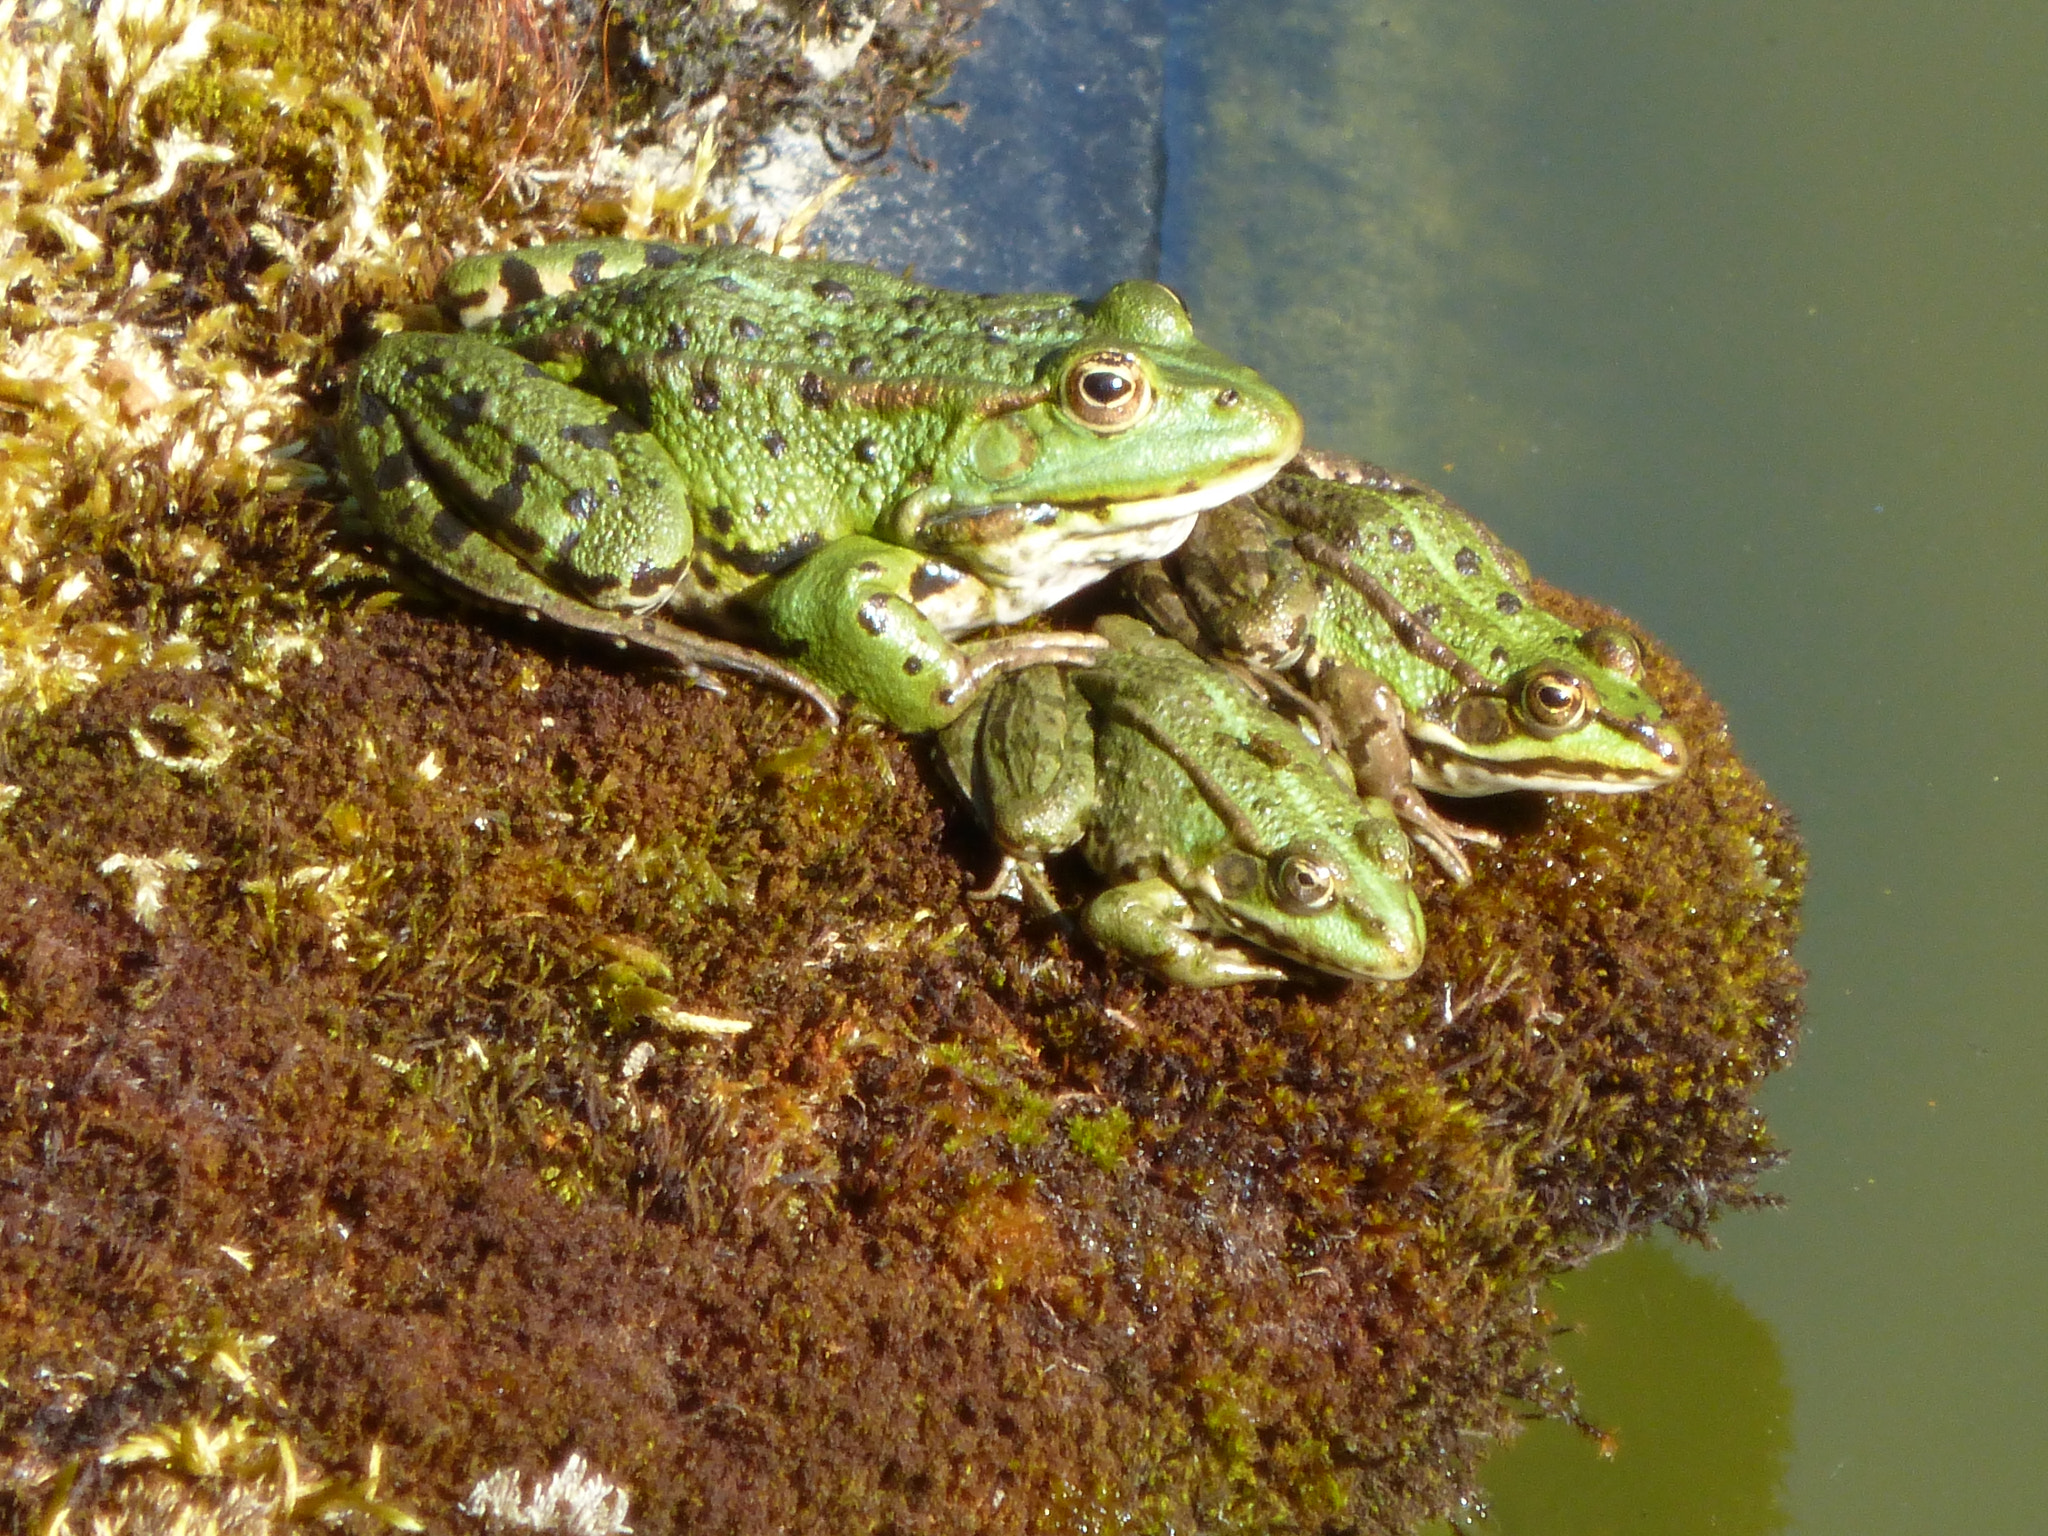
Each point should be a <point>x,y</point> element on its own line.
<point>1553,701</point>
<point>1106,391</point>
<point>1616,649</point>
<point>1304,881</point>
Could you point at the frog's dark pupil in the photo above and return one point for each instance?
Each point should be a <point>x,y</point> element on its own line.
<point>1105,388</point>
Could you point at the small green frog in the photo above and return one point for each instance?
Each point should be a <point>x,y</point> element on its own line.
<point>1208,812</point>
<point>1418,645</point>
<point>845,466</point>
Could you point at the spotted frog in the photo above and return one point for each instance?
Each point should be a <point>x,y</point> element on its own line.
<point>1386,612</point>
<point>1217,822</point>
<point>845,468</point>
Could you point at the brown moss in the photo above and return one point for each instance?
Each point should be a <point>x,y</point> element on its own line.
<point>861,1265</point>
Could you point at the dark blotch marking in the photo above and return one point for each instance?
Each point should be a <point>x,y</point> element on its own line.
<point>912,333</point>
<point>1500,656</point>
<point>726,284</point>
<point>832,291</point>
<point>449,531</point>
<point>508,498</point>
<point>873,613</point>
<point>394,470</point>
<point>929,578</point>
<point>766,562</point>
<point>650,579</point>
<point>869,568</point>
<point>867,450</point>
<point>598,435</point>
<point>1400,540</point>
<point>815,391</point>
<point>720,519</point>
<point>466,407</point>
<point>587,269</point>
<point>743,329</point>
<point>775,443</point>
<point>1508,604</point>
<point>680,336</point>
<point>522,280</point>
<point>1271,752</point>
<point>658,256</point>
<point>522,538</point>
<point>994,333</point>
<point>912,665</point>
<point>1227,397</point>
<point>1466,562</point>
<point>372,410</point>
<point>580,504</point>
<point>821,339</point>
<point>1428,614</point>
<point>426,368</point>
<point>704,393</point>
<point>917,303</point>
<point>861,367</point>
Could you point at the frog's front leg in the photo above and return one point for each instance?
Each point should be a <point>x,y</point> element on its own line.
<point>869,619</point>
<point>1371,729</point>
<point>1154,924</point>
<point>529,495</point>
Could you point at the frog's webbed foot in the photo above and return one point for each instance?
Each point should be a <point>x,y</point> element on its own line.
<point>700,657</point>
<point>1153,923</point>
<point>1155,592</point>
<point>988,660</point>
<point>1023,881</point>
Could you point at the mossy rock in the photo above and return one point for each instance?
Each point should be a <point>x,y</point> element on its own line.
<point>968,1232</point>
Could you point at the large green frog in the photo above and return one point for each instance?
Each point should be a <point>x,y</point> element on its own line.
<point>1210,815</point>
<point>1418,642</point>
<point>843,466</point>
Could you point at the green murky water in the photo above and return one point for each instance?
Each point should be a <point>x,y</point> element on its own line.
<point>1731,314</point>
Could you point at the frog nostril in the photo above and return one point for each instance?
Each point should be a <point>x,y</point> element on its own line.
<point>1226,398</point>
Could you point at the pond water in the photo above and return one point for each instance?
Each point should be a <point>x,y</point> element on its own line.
<point>1731,315</point>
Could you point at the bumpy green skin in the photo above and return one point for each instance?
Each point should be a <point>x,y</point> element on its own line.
<point>1396,612</point>
<point>844,465</point>
<point>1208,812</point>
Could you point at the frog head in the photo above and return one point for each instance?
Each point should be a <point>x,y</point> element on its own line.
<point>1573,719</point>
<point>1124,437</point>
<point>1330,900</point>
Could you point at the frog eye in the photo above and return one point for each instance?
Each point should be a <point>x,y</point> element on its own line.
<point>1106,391</point>
<point>1616,649</point>
<point>1553,700</point>
<point>1304,881</point>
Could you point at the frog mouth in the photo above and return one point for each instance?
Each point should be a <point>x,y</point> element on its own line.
<point>1033,554</point>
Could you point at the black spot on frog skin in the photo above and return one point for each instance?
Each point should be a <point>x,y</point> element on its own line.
<point>465,407</point>
<point>873,613</point>
<point>522,280</point>
<point>599,434</point>
<point>912,665</point>
<point>917,303</point>
<point>580,504</point>
<point>720,519</point>
<point>1428,614</point>
<point>1500,656</point>
<point>776,444</point>
<point>659,256</point>
<point>680,336</point>
<point>815,391</point>
<point>425,368</point>
<point>372,410</point>
<point>1227,397</point>
<point>832,291</point>
<point>508,498</point>
<point>1508,604</point>
<point>1466,562</point>
<point>765,562</point>
<point>994,333</point>
<point>861,367</point>
<point>394,470</point>
<point>821,339</point>
<point>931,577</point>
<point>588,268</point>
<point>522,538</point>
<point>912,333</point>
<point>726,284</point>
<point>743,329</point>
<point>650,579</point>
<point>704,393</point>
<point>449,531</point>
<point>866,450</point>
<point>868,568</point>
<point>1400,540</point>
